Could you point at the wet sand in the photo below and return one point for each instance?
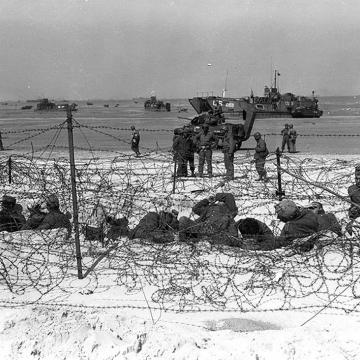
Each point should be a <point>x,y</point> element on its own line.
<point>112,132</point>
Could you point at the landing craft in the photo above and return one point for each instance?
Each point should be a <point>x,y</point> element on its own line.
<point>243,120</point>
<point>272,104</point>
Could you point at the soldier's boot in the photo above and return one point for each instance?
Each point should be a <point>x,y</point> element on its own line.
<point>193,173</point>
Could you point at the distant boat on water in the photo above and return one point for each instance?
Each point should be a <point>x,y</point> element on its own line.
<point>271,105</point>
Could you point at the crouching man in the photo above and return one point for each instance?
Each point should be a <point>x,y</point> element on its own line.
<point>55,218</point>
<point>215,222</point>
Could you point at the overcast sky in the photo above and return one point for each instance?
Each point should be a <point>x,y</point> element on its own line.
<point>86,49</point>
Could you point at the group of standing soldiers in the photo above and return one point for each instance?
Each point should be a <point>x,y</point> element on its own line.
<point>186,143</point>
<point>289,135</point>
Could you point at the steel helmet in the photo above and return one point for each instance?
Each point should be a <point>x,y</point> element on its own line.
<point>132,127</point>
<point>286,209</point>
<point>52,201</point>
<point>257,136</point>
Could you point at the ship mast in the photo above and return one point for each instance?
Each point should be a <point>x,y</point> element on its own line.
<point>275,72</point>
<point>225,88</point>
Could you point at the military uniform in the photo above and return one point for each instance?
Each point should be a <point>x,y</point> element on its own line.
<point>11,217</point>
<point>262,239</point>
<point>190,149</point>
<point>179,150</point>
<point>229,145</point>
<point>304,224</point>
<point>354,193</point>
<point>55,219</point>
<point>205,142</point>
<point>285,139</point>
<point>135,140</point>
<point>158,227</point>
<point>328,221</point>
<point>216,221</point>
<point>261,152</point>
<point>35,219</point>
<point>292,139</point>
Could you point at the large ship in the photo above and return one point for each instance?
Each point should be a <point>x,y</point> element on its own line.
<point>271,105</point>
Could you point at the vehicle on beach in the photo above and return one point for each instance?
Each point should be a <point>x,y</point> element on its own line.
<point>153,104</point>
<point>46,105</point>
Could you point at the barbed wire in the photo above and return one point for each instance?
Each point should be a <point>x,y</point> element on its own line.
<point>204,277</point>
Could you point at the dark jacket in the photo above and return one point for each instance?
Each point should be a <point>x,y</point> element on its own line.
<point>305,224</point>
<point>328,221</point>
<point>11,220</point>
<point>263,240</point>
<point>261,151</point>
<point>354,193</point>
<point>55,219</point>
<point>135,138</point>
<point>152,221</point>
<point>229,143</point>
<point>217,217</point>
<point>205,140</point>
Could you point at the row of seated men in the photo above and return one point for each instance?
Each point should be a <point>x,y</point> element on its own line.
<point>216,224</point>
<point>41,217</point>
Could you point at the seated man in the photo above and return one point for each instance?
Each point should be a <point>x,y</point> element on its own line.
<point>299,223</point>
<point>216,221</point>
<point>157,227</point>
<point>36,217</point>
<point>11,217</point>
<point>55,219</point>
<point>327,221</point>
<point>354,194</point>
<point>256,235</point>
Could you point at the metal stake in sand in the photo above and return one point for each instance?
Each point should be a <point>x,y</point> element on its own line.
<point>280,193</point>
<point>73,190</point>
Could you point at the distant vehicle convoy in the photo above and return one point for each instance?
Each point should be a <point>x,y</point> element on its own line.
<point>46,105</point>
<point>153,104</point>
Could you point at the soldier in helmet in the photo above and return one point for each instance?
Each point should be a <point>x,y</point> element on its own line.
<point>299,222</point>
<point>55,218</point>
<point>354,194</point>
<point>261,152</point>
<point>285,139</point>
<point>178,149</point>
<point>292,139</point>
<point>135,140</point>
<point>190,149</point>
<point>229,145</point>
<point>206,141</point>
<point>11,217</point>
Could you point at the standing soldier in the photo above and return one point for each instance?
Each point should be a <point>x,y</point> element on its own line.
<point>179,152</point>
<point>229,151</point>
<point>292,138</point>
<point>206,140</point>
<point>285,139</point>
<point>135,140</point>
<point>190,148</point>
<point>261,152</point>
